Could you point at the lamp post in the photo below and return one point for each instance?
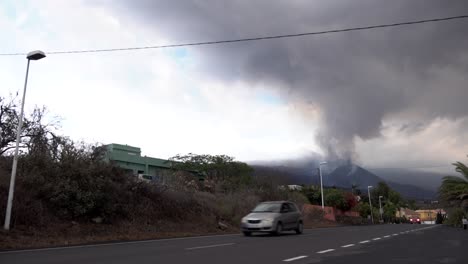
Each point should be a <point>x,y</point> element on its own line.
<point>33,55</point>
<point>321,182</point>
<point>370,203</point>
<point>381,211</point>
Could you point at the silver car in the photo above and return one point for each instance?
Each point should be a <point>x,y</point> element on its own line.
<point>273,217</point>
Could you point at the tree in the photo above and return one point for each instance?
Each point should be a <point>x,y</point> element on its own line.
<point>34,126</point>
<point>313,194</point>
<point>223,170</point>
<point>395,198</point>
<point>454,190</point>
<point>389,212</point>
<point>382,189</point>
<point>334,198</point>
<point>364,210</point>
<point>350,200</point>
<point>339,199</point>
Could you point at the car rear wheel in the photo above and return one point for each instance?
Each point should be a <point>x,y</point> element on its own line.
<point>247,233</point>
<point>300,228</point>
<point>279,229</point>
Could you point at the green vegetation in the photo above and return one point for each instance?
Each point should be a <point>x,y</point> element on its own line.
<point>345,200</point>
<point>338,198</point>
<point>221,172</point>
<point>454,194</point>
<point>454,190</point>
<point>67,190</point>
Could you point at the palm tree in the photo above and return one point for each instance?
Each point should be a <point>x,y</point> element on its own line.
<point>454,190</point>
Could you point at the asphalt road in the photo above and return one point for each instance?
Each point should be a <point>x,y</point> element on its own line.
<point>355,244</point>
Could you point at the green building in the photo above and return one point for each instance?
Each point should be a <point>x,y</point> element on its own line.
<point>147,168</point>
<point>130,159</point>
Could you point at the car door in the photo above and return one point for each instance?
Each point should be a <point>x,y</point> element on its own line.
<point>288,216</point>
<point>295,215</point>
<point>283,218</point>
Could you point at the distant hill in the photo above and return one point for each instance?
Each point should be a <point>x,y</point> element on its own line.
<point>343,176</point>
<point>347,175</point>
<point>424,179</point>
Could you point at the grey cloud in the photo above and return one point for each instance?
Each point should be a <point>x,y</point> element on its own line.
<point>357,78</point>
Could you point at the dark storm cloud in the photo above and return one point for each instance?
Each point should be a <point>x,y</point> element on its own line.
<point>356,78</point>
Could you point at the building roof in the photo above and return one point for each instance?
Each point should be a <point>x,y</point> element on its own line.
<point>114,146</point>
<point>126,153</point>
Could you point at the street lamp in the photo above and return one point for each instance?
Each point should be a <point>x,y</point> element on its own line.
<point>321,182</point>
<point>370,203</point>
<point>381,211</point>
<point>33,55</point>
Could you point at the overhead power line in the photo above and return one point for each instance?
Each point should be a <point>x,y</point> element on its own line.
<point>249,39</point>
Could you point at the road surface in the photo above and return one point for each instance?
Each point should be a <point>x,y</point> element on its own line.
<point>351,244</point>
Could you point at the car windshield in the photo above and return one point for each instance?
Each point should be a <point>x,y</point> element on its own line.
<point>267,208</point>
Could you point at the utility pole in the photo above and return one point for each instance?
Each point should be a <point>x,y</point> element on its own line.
<point>381,211</point>
<point>321,183</point>
<point>370,203</point>
<point>33,55</point>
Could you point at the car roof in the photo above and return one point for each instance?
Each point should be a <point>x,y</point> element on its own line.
<point>276,202</point>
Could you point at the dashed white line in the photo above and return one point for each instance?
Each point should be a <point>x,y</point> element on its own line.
<point>326,250</point>
<point>295,258</point>
<point>211,246</point>
<point>346,246</point>
<point>349,245</point>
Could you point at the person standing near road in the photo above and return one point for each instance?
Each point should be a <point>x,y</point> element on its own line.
<point>465,222</point>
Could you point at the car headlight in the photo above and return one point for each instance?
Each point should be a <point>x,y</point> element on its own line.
<point>267,221</point>
<point>244,220</point>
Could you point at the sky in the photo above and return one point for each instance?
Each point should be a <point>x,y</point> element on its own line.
<point>392,97</point>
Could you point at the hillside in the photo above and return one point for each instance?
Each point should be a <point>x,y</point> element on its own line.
<point>344,176</point>
<point>347,175</point>
<point>425,179</point>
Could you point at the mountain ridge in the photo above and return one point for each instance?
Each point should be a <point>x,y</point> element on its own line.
<point>343,176</point>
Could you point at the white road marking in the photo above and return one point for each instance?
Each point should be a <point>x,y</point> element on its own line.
<point>295,258</point>
<point>387,236</point>
<point>211,246</point>
<point>365,241</point>
<point>349,245</point>
<point>326,250</point>
<point>377,238</point>
<point>395,235</point>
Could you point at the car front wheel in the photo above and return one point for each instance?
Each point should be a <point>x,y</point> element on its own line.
<point>247,233</point>
<point>279,229</point>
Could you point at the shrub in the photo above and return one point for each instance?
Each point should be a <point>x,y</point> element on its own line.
<point>312,194</point>
<point>336,198</point>
<point>455,216</point>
